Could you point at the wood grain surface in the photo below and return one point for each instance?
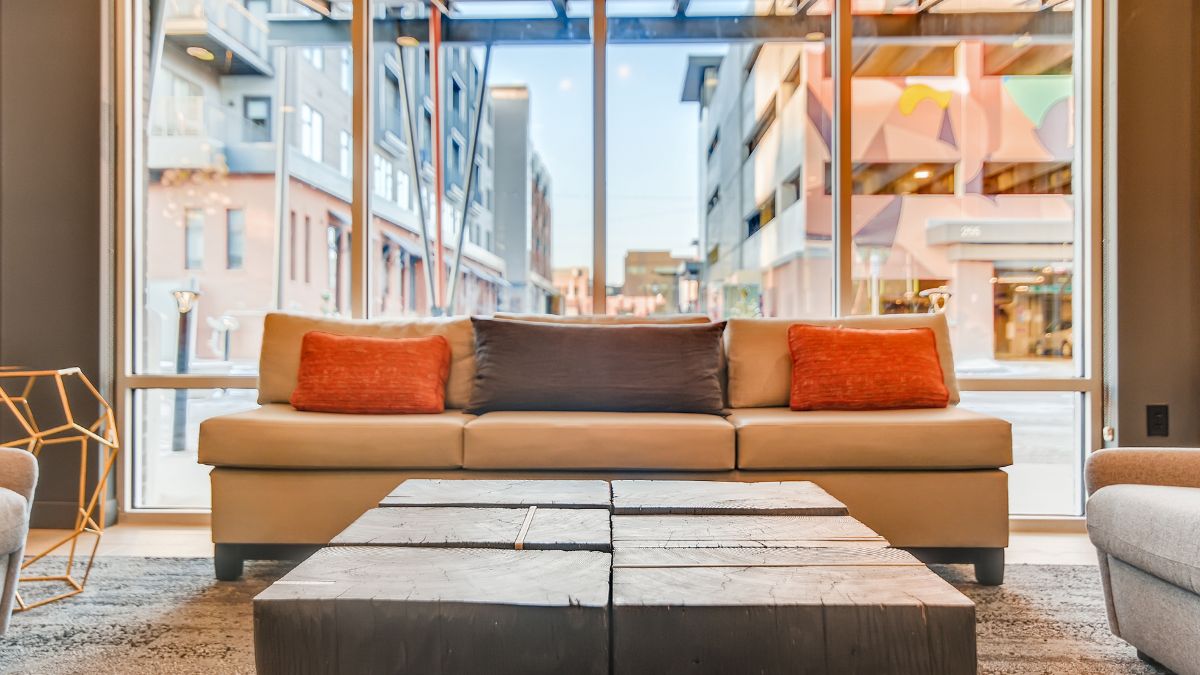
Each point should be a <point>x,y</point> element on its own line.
<point>699,497</point>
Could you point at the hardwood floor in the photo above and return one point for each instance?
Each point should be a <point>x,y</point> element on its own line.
<point>1025,548</point>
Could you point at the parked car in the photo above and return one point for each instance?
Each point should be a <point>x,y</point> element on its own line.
<point>1057,340</point>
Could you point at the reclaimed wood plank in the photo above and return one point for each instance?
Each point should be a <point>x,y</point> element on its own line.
<point>423,610</point>
<point>459,527</point>
<point>897,619</point>
<point>577,494</point>
<point>739,531</point>
<point>698,497</point>
<point>823,556</point>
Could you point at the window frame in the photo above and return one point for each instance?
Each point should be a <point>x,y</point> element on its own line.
<point>1088,37</point>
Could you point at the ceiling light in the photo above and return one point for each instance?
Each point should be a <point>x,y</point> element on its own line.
<point>815,36</point>
<point>201,53</point>
<point>408,41</point>
<point>922,174</point>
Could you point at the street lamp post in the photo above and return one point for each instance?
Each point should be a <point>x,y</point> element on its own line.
<point>185,300</point>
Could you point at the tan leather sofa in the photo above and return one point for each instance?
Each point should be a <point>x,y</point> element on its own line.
<point>285,481</point>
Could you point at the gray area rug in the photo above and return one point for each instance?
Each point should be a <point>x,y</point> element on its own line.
<point>168,615</point>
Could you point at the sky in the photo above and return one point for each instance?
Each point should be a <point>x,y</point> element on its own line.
<point>653,146</point>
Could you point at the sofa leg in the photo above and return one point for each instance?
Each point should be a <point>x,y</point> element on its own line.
<point>227,561</point>
<point>989,567</point>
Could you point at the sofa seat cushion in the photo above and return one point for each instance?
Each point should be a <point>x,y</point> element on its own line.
<point>598,440</point>
<point>14,521</point>
<point>279,436</point>
<point>933,438</point>
<point>1153,528</point>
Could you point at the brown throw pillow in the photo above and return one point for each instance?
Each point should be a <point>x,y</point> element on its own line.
<point>631,368</point>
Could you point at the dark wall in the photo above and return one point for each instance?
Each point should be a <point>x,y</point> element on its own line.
<point>1155,225</point>
<point>50,210</point>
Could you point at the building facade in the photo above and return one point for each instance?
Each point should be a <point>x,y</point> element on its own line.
<point>248,201</point>
<point>962,187</point>
<point>523,206</point>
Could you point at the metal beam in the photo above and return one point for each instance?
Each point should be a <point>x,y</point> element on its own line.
<point>927,5</point>
<point>560,8</point>
<point>322,7</point>
<point>411,138</point>
<point>681,7</point>
<point>362,29</point>
<point>1042,27</point>
<point>480,99</point>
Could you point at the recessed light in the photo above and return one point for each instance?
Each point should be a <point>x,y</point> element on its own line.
<point>201,53</point>
<point>408,41</point>
<point>922,174</point>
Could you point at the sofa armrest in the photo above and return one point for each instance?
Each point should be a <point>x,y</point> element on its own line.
<point>1178,467</point>
<point>18,472</point>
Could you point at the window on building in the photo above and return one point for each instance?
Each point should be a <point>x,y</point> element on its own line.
<point>760,216</point>
<point>898,178</point>
<point>334,257</point>
<point>293,243</point>
<point>193,239</point>
<point>308,254</point>
<point>312,133</point>
<point>761,127</point>
<point>456,156</point>
<point>235,239</point>
<point>383,183</point>
<point>345,153</point>
<point>792,189</point>
<point>713,200</point>
<point>458,100</point>
<point>403,190</point>
<point>346,71</point>
<point>257,110</point>
<point>714,144</point>
<point>1027,178</point>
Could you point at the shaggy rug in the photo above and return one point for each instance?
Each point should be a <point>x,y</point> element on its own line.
<point>168,615</point>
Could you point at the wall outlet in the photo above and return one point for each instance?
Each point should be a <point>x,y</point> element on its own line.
<point>1157,422</point>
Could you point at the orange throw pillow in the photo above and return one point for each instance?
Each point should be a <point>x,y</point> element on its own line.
<point>351,374</point>
<point>837,368</point>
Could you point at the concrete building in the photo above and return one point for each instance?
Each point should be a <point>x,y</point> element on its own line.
<point>962,185</point>
<point>254,224</point>
<point>523,212</point>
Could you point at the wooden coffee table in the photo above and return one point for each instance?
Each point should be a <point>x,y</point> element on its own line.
<point>706,577</point>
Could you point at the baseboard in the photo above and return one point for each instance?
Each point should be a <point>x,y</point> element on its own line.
<point>1046,525</point>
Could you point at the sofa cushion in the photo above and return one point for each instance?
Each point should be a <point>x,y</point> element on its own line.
<point>1151,527</point>
<point>528,366</point>
<point>836,368</point>
<point>598,440</point>
<point>279,361</point>
<point>369,375</point>
<point>930,438</point>
<point>279,436</point>
<point>14,522</point>
<point>760,363</point>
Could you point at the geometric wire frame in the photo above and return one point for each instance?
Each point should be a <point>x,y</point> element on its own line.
<point>101,434</point>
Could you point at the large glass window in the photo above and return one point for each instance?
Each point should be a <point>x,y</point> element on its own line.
<point>720,183</point>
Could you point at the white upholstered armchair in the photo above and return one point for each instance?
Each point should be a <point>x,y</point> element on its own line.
<point>1144,518</point>
<point>18,478</point>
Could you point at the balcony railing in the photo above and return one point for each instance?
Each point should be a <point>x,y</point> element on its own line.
<point>228,15</point>
<point>186,116</point>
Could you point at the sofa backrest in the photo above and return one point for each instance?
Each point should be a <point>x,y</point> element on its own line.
<point>759,362</point>
<point>606,319</point>
<point>279,361</point>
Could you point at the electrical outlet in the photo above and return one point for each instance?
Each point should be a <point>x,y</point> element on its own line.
<point>1157,422</point>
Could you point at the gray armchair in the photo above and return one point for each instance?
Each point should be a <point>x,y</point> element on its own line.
<point>18,478</point>
<point>1143,516</point>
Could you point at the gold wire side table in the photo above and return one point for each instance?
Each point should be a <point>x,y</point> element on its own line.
<point>100,435</point>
